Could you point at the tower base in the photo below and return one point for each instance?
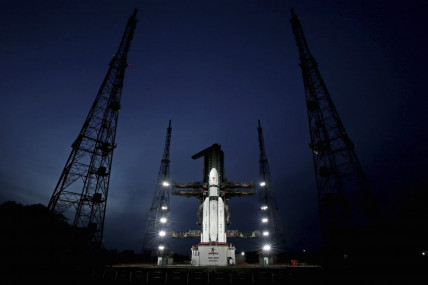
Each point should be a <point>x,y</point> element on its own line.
<point>213,255</point>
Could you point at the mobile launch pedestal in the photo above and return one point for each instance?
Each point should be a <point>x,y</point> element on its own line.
<point>209,255</point>
<point>213,215</point>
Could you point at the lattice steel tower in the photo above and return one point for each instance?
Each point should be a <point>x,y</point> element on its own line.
<point>347,207</point>
<point>158,221</point>
<point>272,229</point>
<point>84,183</point>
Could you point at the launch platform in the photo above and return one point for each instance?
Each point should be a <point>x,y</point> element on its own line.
<point>213,255</point>
<point>213,215</point>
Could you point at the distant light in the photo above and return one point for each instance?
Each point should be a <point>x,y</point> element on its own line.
<point>265,220</point>
<point>266,247</point>
<point>163,220</point>
<point>262,183</point>
<point>161,247</point>
<point>165,183</point>
<point>264,207</point>
<point>164,208</point>
<point>162,233</point>
<point>242,253</point>
<point>424,253</point>
<point>265,234</point>
<point>304,250</point>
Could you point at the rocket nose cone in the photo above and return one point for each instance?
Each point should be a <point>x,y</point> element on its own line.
<point>213,172</point>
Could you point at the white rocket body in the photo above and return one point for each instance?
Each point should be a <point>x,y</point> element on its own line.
<point>213,222</point>
<point>221,221</point>
<point>205,236</point>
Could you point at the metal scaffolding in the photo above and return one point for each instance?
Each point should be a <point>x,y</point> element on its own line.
<point>155,236</point>
<point>271,229</point>
<point>346,204</point>
<point>84,182</point>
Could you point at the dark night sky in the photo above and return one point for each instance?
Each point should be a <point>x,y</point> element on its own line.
<point>214,68</point>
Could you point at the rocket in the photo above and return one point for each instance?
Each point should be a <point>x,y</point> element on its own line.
<point>213,222</point>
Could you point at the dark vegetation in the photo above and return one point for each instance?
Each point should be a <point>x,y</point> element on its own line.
<point>39,247</point>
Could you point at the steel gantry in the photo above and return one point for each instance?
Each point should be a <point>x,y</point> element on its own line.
<point>155,236</point>
<point>271,225</point>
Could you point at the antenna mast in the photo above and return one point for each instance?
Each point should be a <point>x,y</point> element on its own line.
<point>346,204</point>
<point>84,182</point>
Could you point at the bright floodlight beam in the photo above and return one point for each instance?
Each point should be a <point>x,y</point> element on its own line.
<point>165,183</point>
<point>163,220</point>
<point>265,220</point>
<point>161,247</point>
<point>266,247</point>
<point>162,233</point>
<point>263,183</point>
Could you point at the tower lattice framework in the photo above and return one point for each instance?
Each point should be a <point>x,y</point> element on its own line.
<point>346,204</point>
<point>83,186</point>
<point>272,229</point>
<point>158,219</point>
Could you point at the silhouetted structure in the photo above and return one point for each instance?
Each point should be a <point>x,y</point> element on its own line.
<point>84,183</point>
<point>271,226</point>
<point>158,219</point>
<point>347,207</point>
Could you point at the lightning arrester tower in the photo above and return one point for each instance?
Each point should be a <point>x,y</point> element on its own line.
<point>157,224</point>
<point>272,228</point>
<point>84,183</point>
<point>346,204</point>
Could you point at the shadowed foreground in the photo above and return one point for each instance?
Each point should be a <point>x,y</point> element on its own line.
<point>39,247</point>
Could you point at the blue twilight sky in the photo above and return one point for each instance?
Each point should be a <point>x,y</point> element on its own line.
<point>214,68</point>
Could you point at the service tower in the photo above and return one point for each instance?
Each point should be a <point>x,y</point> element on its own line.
<point>213,215</point>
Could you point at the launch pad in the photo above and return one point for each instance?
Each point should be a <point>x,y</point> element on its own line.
<point>213,215</point>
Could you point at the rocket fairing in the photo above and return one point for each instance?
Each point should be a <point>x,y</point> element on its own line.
<point>213,222</point>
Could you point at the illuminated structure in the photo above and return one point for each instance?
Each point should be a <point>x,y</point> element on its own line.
<point>155,239</point>
<point>213,215</point>
<point>272,231</point>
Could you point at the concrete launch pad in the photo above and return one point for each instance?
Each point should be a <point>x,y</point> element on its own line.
<point>201,275</point>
